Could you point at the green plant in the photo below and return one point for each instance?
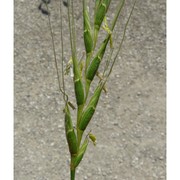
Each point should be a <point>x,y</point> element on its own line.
<point>84,75</point>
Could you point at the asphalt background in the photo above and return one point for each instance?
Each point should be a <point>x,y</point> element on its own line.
<point>130,121</point>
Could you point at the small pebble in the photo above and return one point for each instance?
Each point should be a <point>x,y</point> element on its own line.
<point>161,157</point>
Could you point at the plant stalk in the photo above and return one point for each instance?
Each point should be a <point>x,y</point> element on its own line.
<point>73,172</point>
<point>72,169</point>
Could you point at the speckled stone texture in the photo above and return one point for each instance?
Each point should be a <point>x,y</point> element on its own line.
<point>129,123</point>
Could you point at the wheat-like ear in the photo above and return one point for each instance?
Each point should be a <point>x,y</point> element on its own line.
<point>86,105</point>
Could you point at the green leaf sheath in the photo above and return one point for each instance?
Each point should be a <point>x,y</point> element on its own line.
<point>78,85</point>
<point>88,40</point>
<point>70,133</point>
<point>72,141</point>
<point>79,91</point>
<point>100,12</point>
<point>90,109</point>
<point>86,117</point>
<point>93,67</point>
<point>77,159</point>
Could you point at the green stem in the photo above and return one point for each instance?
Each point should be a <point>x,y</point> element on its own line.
<point>73,171</point>
<point>72,168</point>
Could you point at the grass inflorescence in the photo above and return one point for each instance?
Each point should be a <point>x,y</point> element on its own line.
<point>84,73</point>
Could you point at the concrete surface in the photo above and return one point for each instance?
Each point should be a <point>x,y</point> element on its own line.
<point>129,123</point>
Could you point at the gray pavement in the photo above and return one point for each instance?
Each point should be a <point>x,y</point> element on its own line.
<point>129,123</point>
